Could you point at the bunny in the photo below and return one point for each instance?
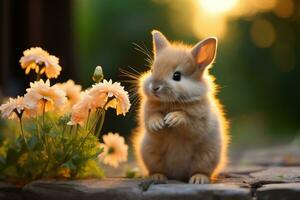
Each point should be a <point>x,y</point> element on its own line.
<point>182,132</point>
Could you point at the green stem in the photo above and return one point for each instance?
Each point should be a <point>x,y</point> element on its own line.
<point>94,127</point>
<point>44,111</point>
<point>68,147</point>
<point>70,131</point>
<point>63,137</point>
<point>75,136</point>
<point>99,126</point>
<point>88,119</point>
<point>67,151</point>
<point>46,145</point>
<point>22,132</point>
<point>37,127</point>
<point>101,123</point>
<point>96,123</point>
<point>100,118</point>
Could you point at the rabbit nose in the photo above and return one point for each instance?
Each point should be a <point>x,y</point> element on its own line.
<point>155,87</point>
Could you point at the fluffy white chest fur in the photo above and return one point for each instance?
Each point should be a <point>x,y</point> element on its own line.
<point>181,151</point>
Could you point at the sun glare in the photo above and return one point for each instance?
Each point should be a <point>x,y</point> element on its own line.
<point>217,6</point>
<point>212,17</point>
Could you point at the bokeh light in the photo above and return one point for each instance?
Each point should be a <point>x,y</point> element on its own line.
<point>264,4</point>
<point>263,33</point>
<point>284,8</point>
<point>217,6</point>
<point>211,17</point>
<point>205,25</point>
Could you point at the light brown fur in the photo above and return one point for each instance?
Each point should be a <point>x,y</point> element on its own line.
<point>182,131</point>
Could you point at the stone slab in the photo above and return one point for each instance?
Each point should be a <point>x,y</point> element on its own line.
<point>10,192</point>
<point>196,192</point>
<point>274,175</point>
<point>127,189</point>
<point>238,183</point>
<point>92,189</point>
<point>286,191</point>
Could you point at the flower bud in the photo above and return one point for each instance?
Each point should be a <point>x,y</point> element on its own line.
<point>98,74</point>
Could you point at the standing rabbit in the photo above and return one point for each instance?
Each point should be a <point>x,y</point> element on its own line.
<point>182,131</point>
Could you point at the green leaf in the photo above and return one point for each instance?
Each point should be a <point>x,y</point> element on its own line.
<point>91,169</point>
<point>82,162</point>
<point>30,127</point>
<point>46,128</point>
<point>2,163</point>
<point>19,143</point>
<point>132,173</point>
<point>10,171</point>
<point>77,159</point>
<point>12,156</point>
<point>95,155</point>
<point>70,165</point>
<point>32,142</point>
<point>64,119</point>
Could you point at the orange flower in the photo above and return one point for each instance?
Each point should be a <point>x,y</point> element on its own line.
<point>101,92</point>
<point>97,97</point>
<point>72,92</point>
<point>80,110</point>
<point>35,58</point>
<point>15,107</point>
<point>41,93</point>
<point>115,149</point>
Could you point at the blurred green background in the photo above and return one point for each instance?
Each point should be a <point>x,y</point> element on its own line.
<point>257,65</point>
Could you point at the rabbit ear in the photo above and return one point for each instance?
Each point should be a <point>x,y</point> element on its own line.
<point>159,41</point>
<point>204,52</point>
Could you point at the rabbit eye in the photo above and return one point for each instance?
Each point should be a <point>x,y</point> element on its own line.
<point>177,76</point>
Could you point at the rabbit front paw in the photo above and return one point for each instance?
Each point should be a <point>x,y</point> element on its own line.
<point>174,119</point>
<point>156,123</point>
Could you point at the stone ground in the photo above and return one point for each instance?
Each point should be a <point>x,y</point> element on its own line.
<point>276,177</point>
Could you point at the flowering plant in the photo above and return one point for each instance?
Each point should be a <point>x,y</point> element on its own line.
<point>59,125</point>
